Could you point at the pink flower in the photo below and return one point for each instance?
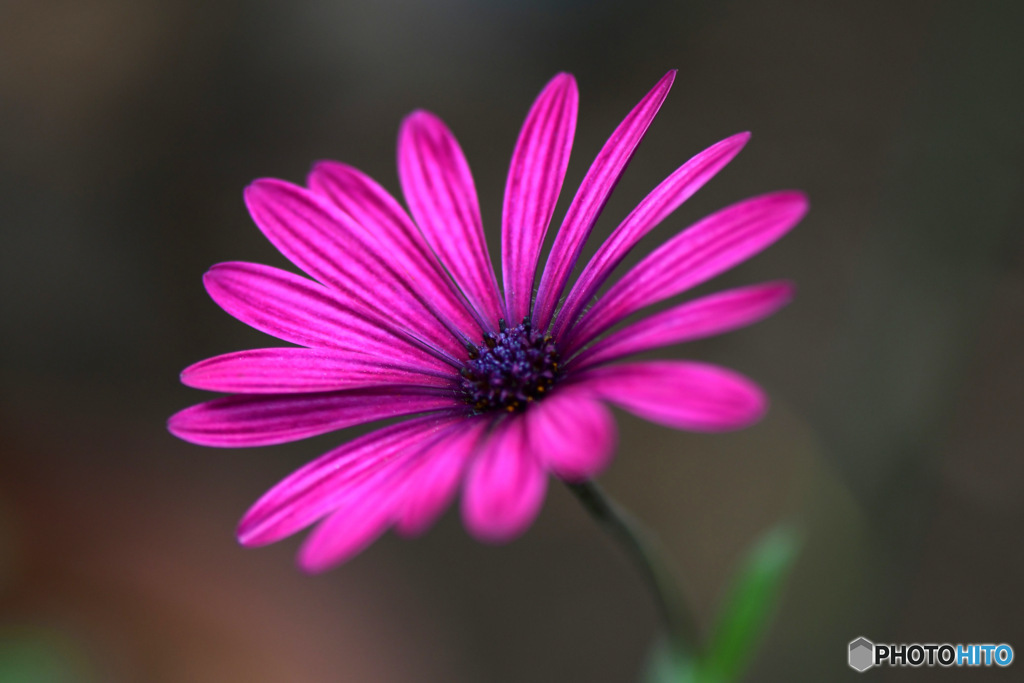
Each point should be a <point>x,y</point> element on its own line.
<point>403,318</point>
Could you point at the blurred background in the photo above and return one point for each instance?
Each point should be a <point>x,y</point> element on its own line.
<point>127,132</point>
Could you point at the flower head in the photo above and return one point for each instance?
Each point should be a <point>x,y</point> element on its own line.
<point>402,317</point>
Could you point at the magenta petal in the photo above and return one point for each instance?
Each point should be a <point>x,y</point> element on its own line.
<point>439,189</point>
<point>243,420</point>
<point>505,485</point>
<point>655,207</point>
<point>696,319</point>
<point>301,311</point>
<point>321,486</point>
<point>371,207</point>
<point>691,396</point>
<point>534,181</point>
<point>435,476</point>
<point>298,370</point>
<point>591,197</point>
<point>329,245</point>
<point>348,531</point>
<point>697,254</point>
<point>572,433</point>
<point>371,505</point>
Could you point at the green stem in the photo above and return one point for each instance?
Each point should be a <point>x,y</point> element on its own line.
<point>640,545</point>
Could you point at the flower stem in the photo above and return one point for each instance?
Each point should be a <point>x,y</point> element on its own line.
<point>649,558</point>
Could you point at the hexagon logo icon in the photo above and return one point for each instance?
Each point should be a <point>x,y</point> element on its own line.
<point>862,654</point>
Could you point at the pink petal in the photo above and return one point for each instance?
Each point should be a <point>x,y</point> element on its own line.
<point>440,192</point>
<point>691,396</point>
<point>696,319</point>
<point>334,249</point>
<point>298,370</point>
<point>348,531</point>
<point>591,197</point>
<point>655,207</point>
<point>697,254</point>
<point>435,477</point>
<point>244,420</point>
<point>505,485</point>
<point>302,311</point>
<point>572,434</point>
<point>534,181</point>
<point>368,508</point>
<point>323,485</point>
<point>371,207</point>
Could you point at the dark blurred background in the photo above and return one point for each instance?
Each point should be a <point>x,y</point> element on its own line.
<point>127,132</point>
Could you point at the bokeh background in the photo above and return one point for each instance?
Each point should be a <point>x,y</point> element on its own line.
<point>127,132</point>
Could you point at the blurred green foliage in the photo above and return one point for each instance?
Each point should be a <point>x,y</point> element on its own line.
<point>40,656</point>
<point>744,617</point>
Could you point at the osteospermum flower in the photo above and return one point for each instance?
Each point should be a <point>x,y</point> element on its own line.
<point>403,318</point>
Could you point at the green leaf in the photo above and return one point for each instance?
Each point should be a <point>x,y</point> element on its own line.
<point>38,656</point>
<point>749,605</point>
<point>666,666</point>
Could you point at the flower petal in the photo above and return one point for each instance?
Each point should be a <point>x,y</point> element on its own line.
<point>368,508</point>
<point>348,531</point>
<point>591,197</point>
<point>331,247</point>
<point>695,255</point>
<point>244,420</point>
<point>439,190</point>
<point>572,434</point>
<point>435,476</point>
<point>371,207</point>
<point>534,180</point>
<point>298,370</point>
<point>704,317</point>
<point>656,206</point>
<point>505,485</point>
<point>691,396</point>
<point>319,487</point>
<point>298,310</point>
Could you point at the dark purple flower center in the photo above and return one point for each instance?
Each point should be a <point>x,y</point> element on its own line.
<point>510,369</point>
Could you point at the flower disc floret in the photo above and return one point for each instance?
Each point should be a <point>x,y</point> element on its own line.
<point>509,369</point>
